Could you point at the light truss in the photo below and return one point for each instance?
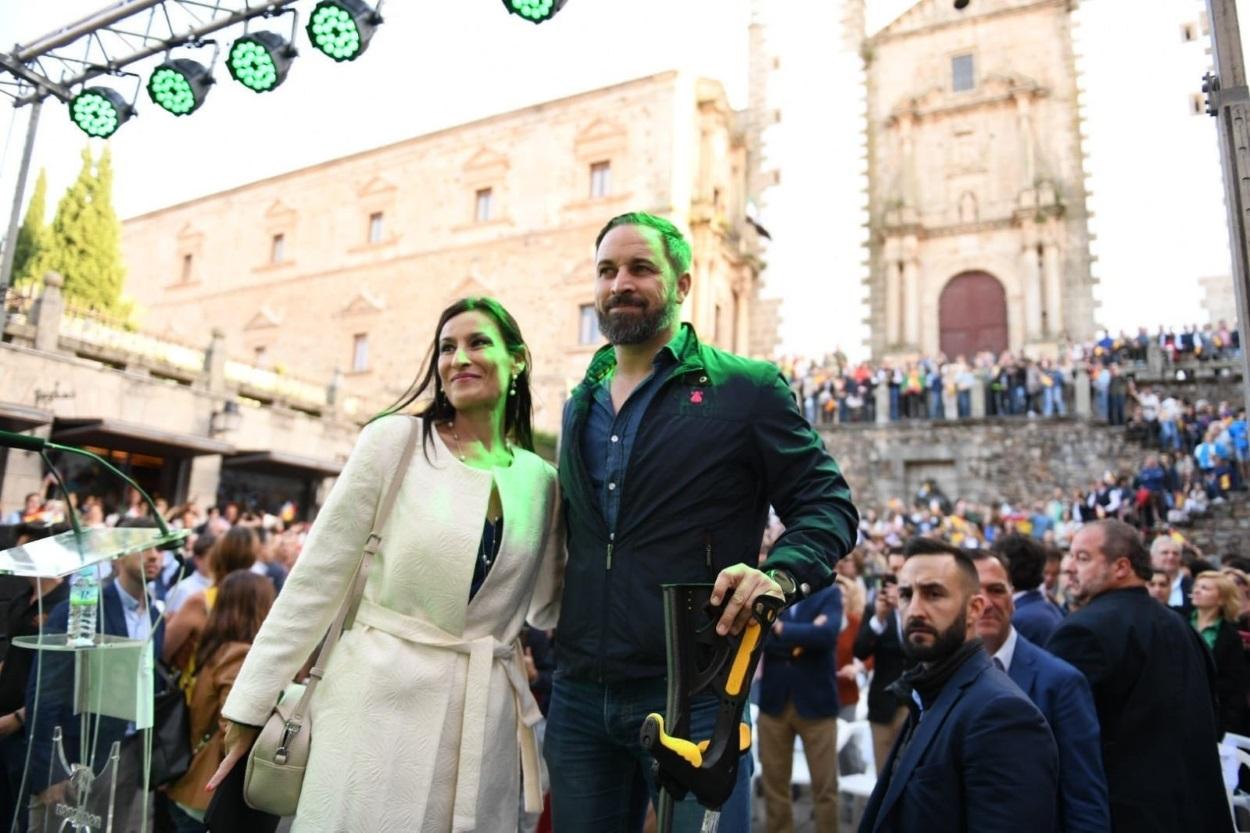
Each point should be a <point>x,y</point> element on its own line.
<point>105,42</point>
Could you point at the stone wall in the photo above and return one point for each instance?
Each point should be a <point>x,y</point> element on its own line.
<point>1015,459</point>
<point>1212,381</point>
<point>1225,531</point>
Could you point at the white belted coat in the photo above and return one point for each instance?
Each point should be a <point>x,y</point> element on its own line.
<point>423,721</point>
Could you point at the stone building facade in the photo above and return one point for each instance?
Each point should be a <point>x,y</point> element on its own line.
<point>978,221</point>
<point>1219,299</point>
<point>345,265</point>
<point>183,420</point>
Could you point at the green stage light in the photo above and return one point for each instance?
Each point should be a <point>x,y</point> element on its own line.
<point>535,11</point>
<point>180,86</point>
<point>260,61</point>
<point>342,28</point>
<point>99,111</point>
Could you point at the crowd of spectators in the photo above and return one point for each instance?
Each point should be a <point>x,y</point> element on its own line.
<point>205,603</point>
<point>207,600</point>
<point>1208,591</point>
<point>1196,454</point>
<point>834,390</point>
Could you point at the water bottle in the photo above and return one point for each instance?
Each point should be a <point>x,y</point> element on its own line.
<point>84,601</point>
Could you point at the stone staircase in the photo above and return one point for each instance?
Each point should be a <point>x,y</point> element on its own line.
<point>1225,530</point>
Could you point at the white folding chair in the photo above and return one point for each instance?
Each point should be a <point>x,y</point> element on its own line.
<point>1235,753</point>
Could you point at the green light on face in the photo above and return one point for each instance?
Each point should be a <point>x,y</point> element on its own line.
<point>98,112</point>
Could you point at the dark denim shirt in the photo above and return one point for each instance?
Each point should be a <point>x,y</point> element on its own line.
<point>608,438</point>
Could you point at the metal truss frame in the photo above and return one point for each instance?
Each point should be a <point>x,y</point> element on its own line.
<point>104,44</point>
<point>107,41</point>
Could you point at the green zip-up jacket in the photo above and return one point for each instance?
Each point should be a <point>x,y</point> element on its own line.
<point>721,441</point>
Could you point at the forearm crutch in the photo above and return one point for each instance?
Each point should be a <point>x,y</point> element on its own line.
<point>700,660</point>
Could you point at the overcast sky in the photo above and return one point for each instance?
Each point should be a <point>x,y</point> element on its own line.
<point>1153,169</point>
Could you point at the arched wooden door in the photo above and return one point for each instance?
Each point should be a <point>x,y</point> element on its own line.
<point>972,315</point>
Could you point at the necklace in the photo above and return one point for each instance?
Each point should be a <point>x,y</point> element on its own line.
<point>490,543</point>
<point>451,426</point>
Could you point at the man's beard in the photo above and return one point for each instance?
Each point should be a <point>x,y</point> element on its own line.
<point>640,328</point>
<point>944,644</point>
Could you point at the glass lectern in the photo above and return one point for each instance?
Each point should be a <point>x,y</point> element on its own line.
<point>94,691</point>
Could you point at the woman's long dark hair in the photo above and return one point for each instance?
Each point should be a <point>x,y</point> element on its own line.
<point>519,411</point>
<point>236,550</point>
<point>243,601</point>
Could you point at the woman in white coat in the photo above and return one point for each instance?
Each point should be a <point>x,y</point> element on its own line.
<point>423,721</point>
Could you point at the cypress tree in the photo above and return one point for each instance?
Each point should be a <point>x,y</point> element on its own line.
<point>32,238</point>
<point>86,238</point>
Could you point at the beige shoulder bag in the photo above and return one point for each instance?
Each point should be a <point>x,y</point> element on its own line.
<point>276,764</point>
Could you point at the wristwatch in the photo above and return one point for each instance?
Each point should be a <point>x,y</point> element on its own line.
<point>788,585</point>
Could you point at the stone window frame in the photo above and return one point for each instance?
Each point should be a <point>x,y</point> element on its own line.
<point>582,331</point>
<point>277,248</point>
<point>600,142</point>
<point>375,197</point>
<point>484,171</point>
<point>189,252</point>
<point>601,179</point>
<point>484,204</point>
<point>955,59</point>
<point>279,221</point>
<point>360,354</point>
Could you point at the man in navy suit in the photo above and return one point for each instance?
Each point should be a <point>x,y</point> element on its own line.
<point>976,755</point>
<point>1059,691</point>
<point>799,696</point>
<point>1152,679</point>
<point>126,612</point>
<point>1036,617</point>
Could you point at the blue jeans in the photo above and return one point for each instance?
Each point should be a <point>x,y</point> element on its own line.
<point>601,776</point>
<point>1115,408</point>
<point>1048,401</point>
<point>963,400</point>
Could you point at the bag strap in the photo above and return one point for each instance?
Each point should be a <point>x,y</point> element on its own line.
<point>347,613</point>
